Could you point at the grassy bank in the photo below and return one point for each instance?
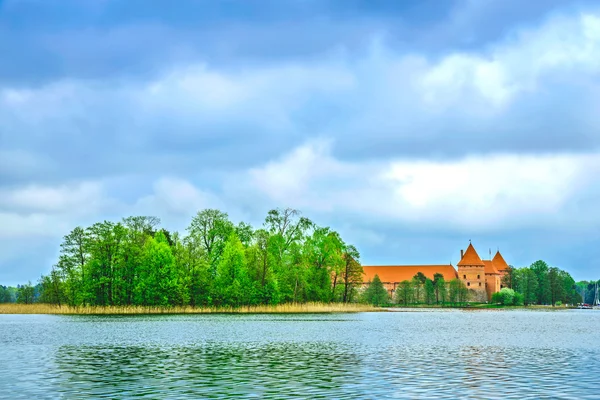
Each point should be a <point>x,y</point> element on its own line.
<point>291,308</point>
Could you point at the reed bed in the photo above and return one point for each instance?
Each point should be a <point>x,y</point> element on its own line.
<point>289,308</point>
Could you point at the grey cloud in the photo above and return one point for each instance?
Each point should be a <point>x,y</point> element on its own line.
<point>79,109</point>
<point>112,39</point>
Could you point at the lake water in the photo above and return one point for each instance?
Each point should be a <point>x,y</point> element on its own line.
<point>441,354</point>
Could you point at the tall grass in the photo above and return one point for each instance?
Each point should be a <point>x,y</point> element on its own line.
<point>289,308</point>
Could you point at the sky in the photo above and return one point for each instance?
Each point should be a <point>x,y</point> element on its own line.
<point>410,127</point>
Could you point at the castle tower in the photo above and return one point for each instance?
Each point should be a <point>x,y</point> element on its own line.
<point>500,265</point>
<point>471,271</point>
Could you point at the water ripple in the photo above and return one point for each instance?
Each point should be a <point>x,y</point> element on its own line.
<point>448,355</point>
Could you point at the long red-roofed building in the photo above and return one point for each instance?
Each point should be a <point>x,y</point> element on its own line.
<point>482,277</point>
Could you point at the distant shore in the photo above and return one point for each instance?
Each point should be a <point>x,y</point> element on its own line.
<point>292,308</point>
<point>474,307</point>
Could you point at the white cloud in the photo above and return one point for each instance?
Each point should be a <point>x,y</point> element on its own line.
<point>395,98</point>
<point>492,191</point>
<point>175,196</point>
<point>84,196</point>
<point>50,211</point>
<point>498,75</point>
<point>475,193</point>
<point>379,102</point>
<point>13,225</point>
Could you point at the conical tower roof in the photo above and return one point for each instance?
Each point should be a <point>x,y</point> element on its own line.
<point>471,257</point>
<point>499,262</point>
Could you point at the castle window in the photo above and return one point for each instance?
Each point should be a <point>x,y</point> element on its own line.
<point>478,276</point>
<point>479,283</point>
<point>468,283</point>
<point>464,277</point>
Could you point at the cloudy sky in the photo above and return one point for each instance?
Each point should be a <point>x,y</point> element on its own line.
<point>408,126</point>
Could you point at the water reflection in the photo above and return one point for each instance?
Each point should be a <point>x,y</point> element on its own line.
<point>322,370</point>
<point>209,371</point>
<point>430,355</point>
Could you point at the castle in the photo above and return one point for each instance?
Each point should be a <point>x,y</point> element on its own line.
<point>482,277</point>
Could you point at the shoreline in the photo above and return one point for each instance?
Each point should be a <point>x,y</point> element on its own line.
<point>291,308</point>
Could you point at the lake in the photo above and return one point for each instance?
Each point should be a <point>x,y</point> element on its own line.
<point>441,354</point>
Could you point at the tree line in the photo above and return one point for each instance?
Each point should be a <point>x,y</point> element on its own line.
<point>419,290</point>
<point>536,284</point>
<point>540,284</point>
<point>587,290</point>
<point>216,263</point>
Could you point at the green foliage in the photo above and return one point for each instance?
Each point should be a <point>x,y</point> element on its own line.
<point>439,285</point>
<point>376,293</point>
<point>586,291</point>
<point>232,284</point>
<point>405,293</point>
<point>288,259</point>
<point>457,292</point>
<point>352,275</point>
<point>8,294</point>
<point>497,298</point>
<point>507,296</point>
<point>541,284</point>
<point>429,292</point>
<point>518,299</point>
<point>508,280</point>
<point>540,269</point>
<point>422,290</point>
<point>26,294</point>
<point>218,263</point>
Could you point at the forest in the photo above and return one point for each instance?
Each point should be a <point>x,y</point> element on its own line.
<point>537,284</point>
<point>289,259</point>
<point>540,284</point>
<point>216,263</point>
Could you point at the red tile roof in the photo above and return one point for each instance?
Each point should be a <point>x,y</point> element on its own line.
<point>499,262</point>
<point>471,257</point>
<point>490,268</point>
<point>399,273</point>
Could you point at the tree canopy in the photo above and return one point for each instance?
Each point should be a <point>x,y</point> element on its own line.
<point>218,263</point>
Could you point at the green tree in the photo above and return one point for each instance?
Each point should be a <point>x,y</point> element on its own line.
<point>440,287</point>
<point>193,270</point>
<point>212,228</point>
<point>555,285</point>
<point>430,292</point>
<point>102,268</point>
<point>457,292</point>
<point>232,286</point>
<point>71,266</point>
<point>540,269</point>
<point>323,254</point>
<point>507,296</point>
<point>353,273</point>
<point>417,285</point>
<point>157,284</point>
<point>288,227</point>
<point>8,294</point>
<point>405,292</point>
<point>526,282</point>
<point>52,289</point>
<point>26,294</point>
<point>508,280</point>
<point>375,292</point>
